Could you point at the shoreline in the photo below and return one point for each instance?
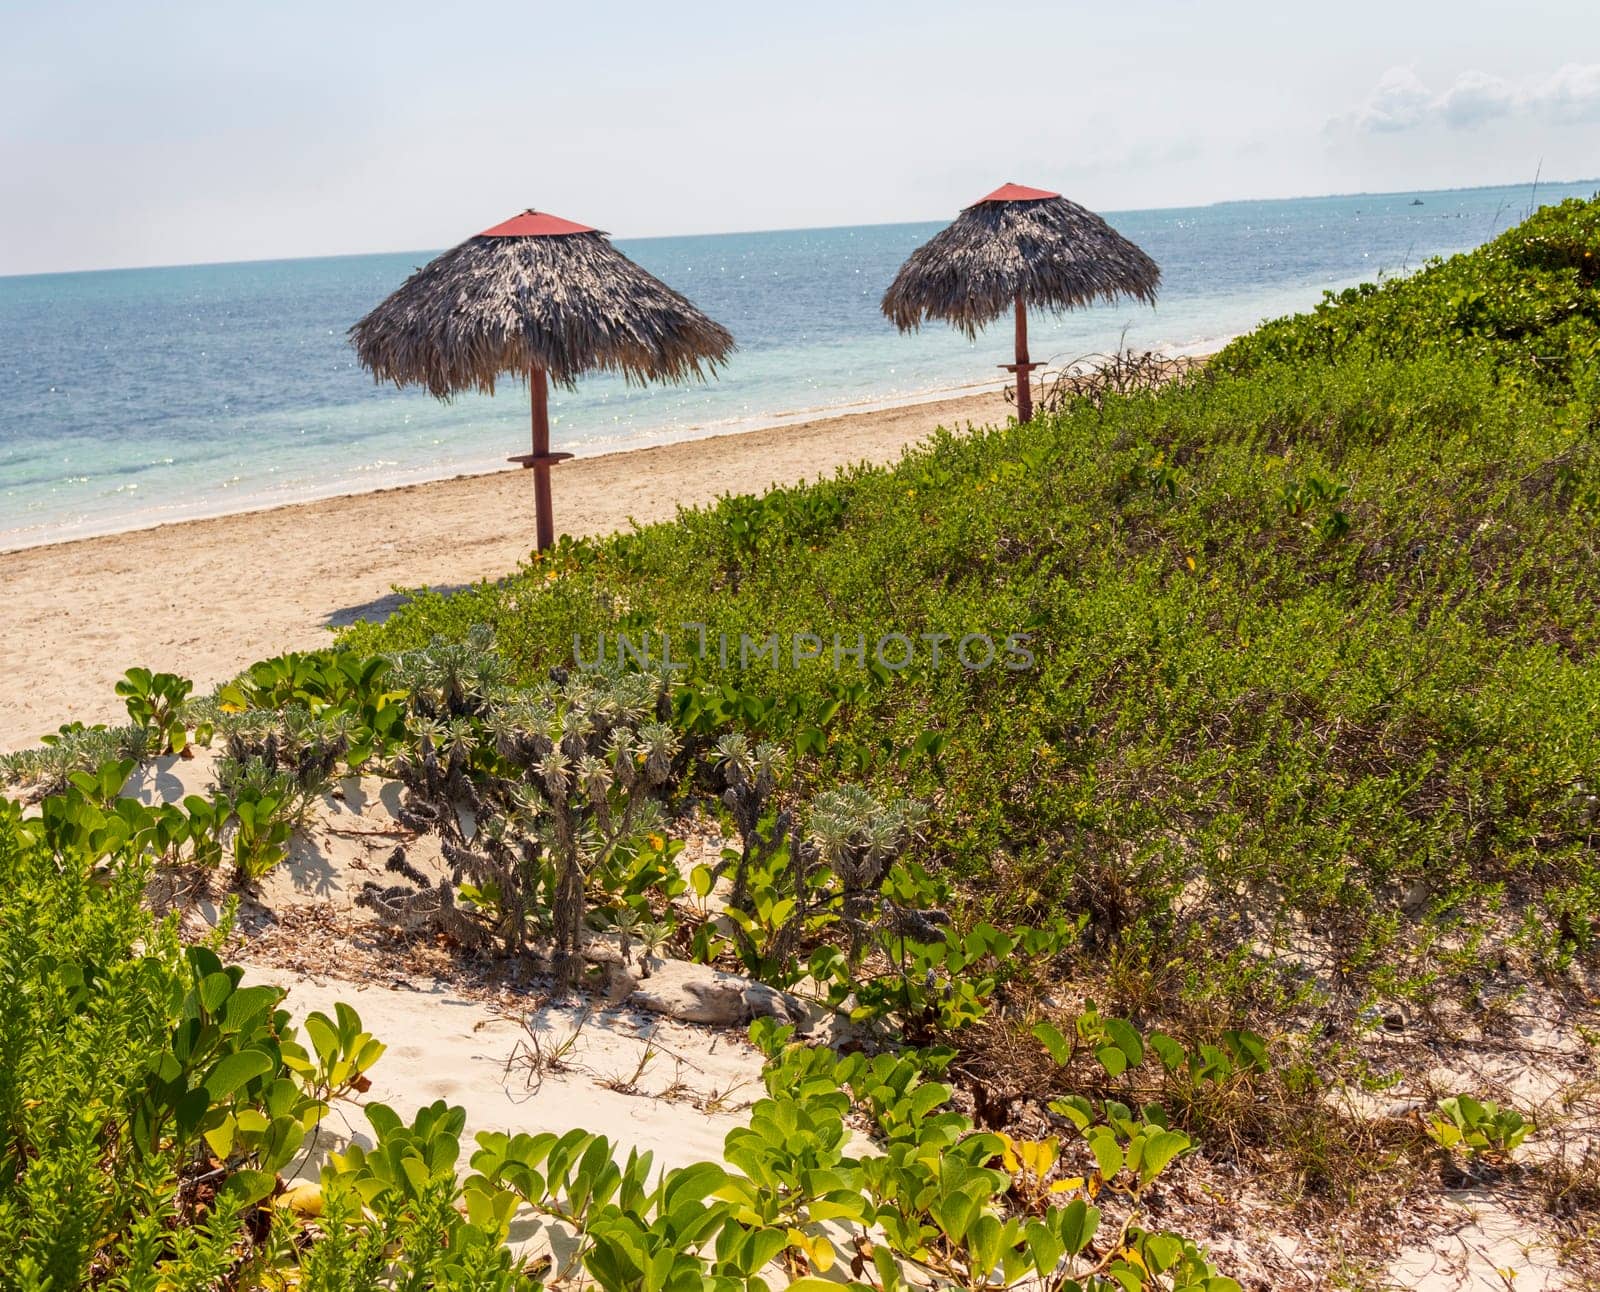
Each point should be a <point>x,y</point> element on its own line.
<point>207,597</point>
<point>642,441</point>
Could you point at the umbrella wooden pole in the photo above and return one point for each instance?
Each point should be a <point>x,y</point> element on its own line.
<point>1024,368</point>
<point>539,390</point>
<point>541,459</point>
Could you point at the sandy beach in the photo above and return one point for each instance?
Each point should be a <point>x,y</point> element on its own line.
<point>208,597</point>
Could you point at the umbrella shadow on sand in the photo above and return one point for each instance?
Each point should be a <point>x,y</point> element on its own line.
<point>380,608</point>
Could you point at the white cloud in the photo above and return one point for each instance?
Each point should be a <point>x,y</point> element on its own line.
<point>1401,101</point>
<point>1572,94</point>
<point>1476,97</point>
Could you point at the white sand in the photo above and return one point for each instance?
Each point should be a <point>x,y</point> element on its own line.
<point>445,1046</point>
<point>1488,1250</point>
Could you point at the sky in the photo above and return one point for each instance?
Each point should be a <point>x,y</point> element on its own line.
<point>137,133</point>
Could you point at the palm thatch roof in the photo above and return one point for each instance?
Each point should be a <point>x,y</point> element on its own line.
<point>536,292</point>
<point>1053,252</point>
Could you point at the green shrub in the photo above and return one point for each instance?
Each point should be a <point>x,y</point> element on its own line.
<point>147,1099</point>
<point>1527,302</point>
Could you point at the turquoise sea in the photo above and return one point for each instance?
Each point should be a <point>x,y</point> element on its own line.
<point>131,397</point>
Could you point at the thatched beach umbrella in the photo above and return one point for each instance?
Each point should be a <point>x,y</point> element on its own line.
<point>546,300</point>
<point>1015,248</point>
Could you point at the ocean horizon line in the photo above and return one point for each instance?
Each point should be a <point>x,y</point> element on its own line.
<point>1531,185</point>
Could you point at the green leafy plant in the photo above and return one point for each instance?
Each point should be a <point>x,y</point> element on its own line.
<point>262,827</point>
<point>1478,1127</point>
<point>395,1207</point>
<point>207,823</point>
<point>149,1099</point>
<point>349,704</point>
<point>155,704</point>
